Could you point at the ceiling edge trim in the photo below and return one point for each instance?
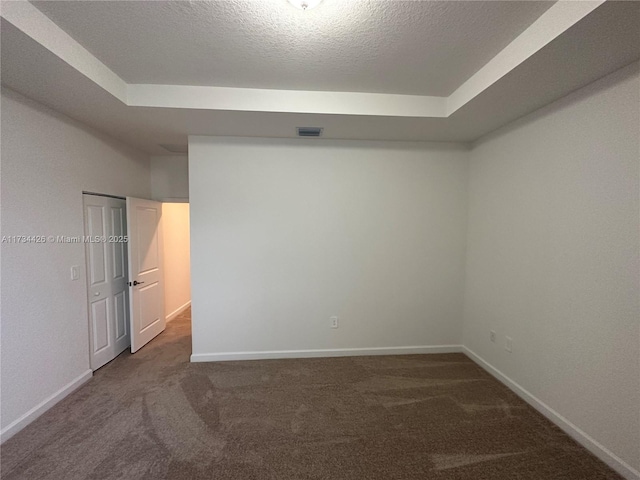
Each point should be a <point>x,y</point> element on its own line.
<point>285,101</point>
<point>551,24</point>
<point>31,21</point>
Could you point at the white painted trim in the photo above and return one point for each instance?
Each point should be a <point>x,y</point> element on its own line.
<point>31,21</point>
<point>551,24</point>
<point>599,450</point>
<point>333,352</point>
<point>178,311</point>
<point>14,427</point>
<point>285,101</point>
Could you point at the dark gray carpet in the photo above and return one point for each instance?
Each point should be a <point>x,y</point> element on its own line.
<point>153,415</point>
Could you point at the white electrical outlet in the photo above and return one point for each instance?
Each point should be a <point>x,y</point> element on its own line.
<point>492,336</point>
<point>508,344</point>
<point>333,322</point>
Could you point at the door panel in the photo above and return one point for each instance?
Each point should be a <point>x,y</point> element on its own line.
<point>119,228</point>
<point>149,303</point>
<point>97,254</point>
<point>147,240</point>
<point>119,275</point>
<point>144,221</point>
<point>108,293</point>
<point>100,317</point>
<point>120,311</point>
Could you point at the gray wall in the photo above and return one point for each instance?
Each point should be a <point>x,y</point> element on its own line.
<point>47,161</point>
<point>552,258</point>
<point>170,178</point>
<point>287,233</point>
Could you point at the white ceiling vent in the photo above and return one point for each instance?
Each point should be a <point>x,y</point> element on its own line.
<point>309,131</point>
<point>175,148</point>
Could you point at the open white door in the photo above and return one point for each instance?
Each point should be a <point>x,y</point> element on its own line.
<point>146,285</point>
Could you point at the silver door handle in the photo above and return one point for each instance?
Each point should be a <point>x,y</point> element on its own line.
<point>97,294</point>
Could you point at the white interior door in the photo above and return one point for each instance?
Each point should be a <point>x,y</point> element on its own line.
<point>105,225</point>
<point>144,219</point>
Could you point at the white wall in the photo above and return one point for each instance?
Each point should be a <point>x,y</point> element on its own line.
<point>287,233</point>
<point>170,178</point>
<point>47,161</point>
<point>553,246</point>
<point>177,276</point>
<point>170,183</point>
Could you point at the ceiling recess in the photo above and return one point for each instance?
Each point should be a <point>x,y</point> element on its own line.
<point>175,148</point>
<point>309,131</point>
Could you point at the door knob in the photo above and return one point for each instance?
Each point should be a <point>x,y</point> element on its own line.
<point>135,282</point>
<point>97,294</point>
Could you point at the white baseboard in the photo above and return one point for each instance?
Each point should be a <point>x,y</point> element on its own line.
<point>599,450</point>
<point>14,427</point>
<point>178,311</point>
<point>335,352</point>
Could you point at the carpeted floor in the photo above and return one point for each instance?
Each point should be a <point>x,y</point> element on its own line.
<point>153,415</point>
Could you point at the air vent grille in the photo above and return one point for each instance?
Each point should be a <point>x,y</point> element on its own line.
<point>309,131</point>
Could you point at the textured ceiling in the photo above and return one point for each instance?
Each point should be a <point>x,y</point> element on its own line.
<point>572,44</point>
<point>386,46</point>
<point>606,40</point>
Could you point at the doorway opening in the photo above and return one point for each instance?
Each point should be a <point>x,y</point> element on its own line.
<point>134,284</point>
<point>177,258</point>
